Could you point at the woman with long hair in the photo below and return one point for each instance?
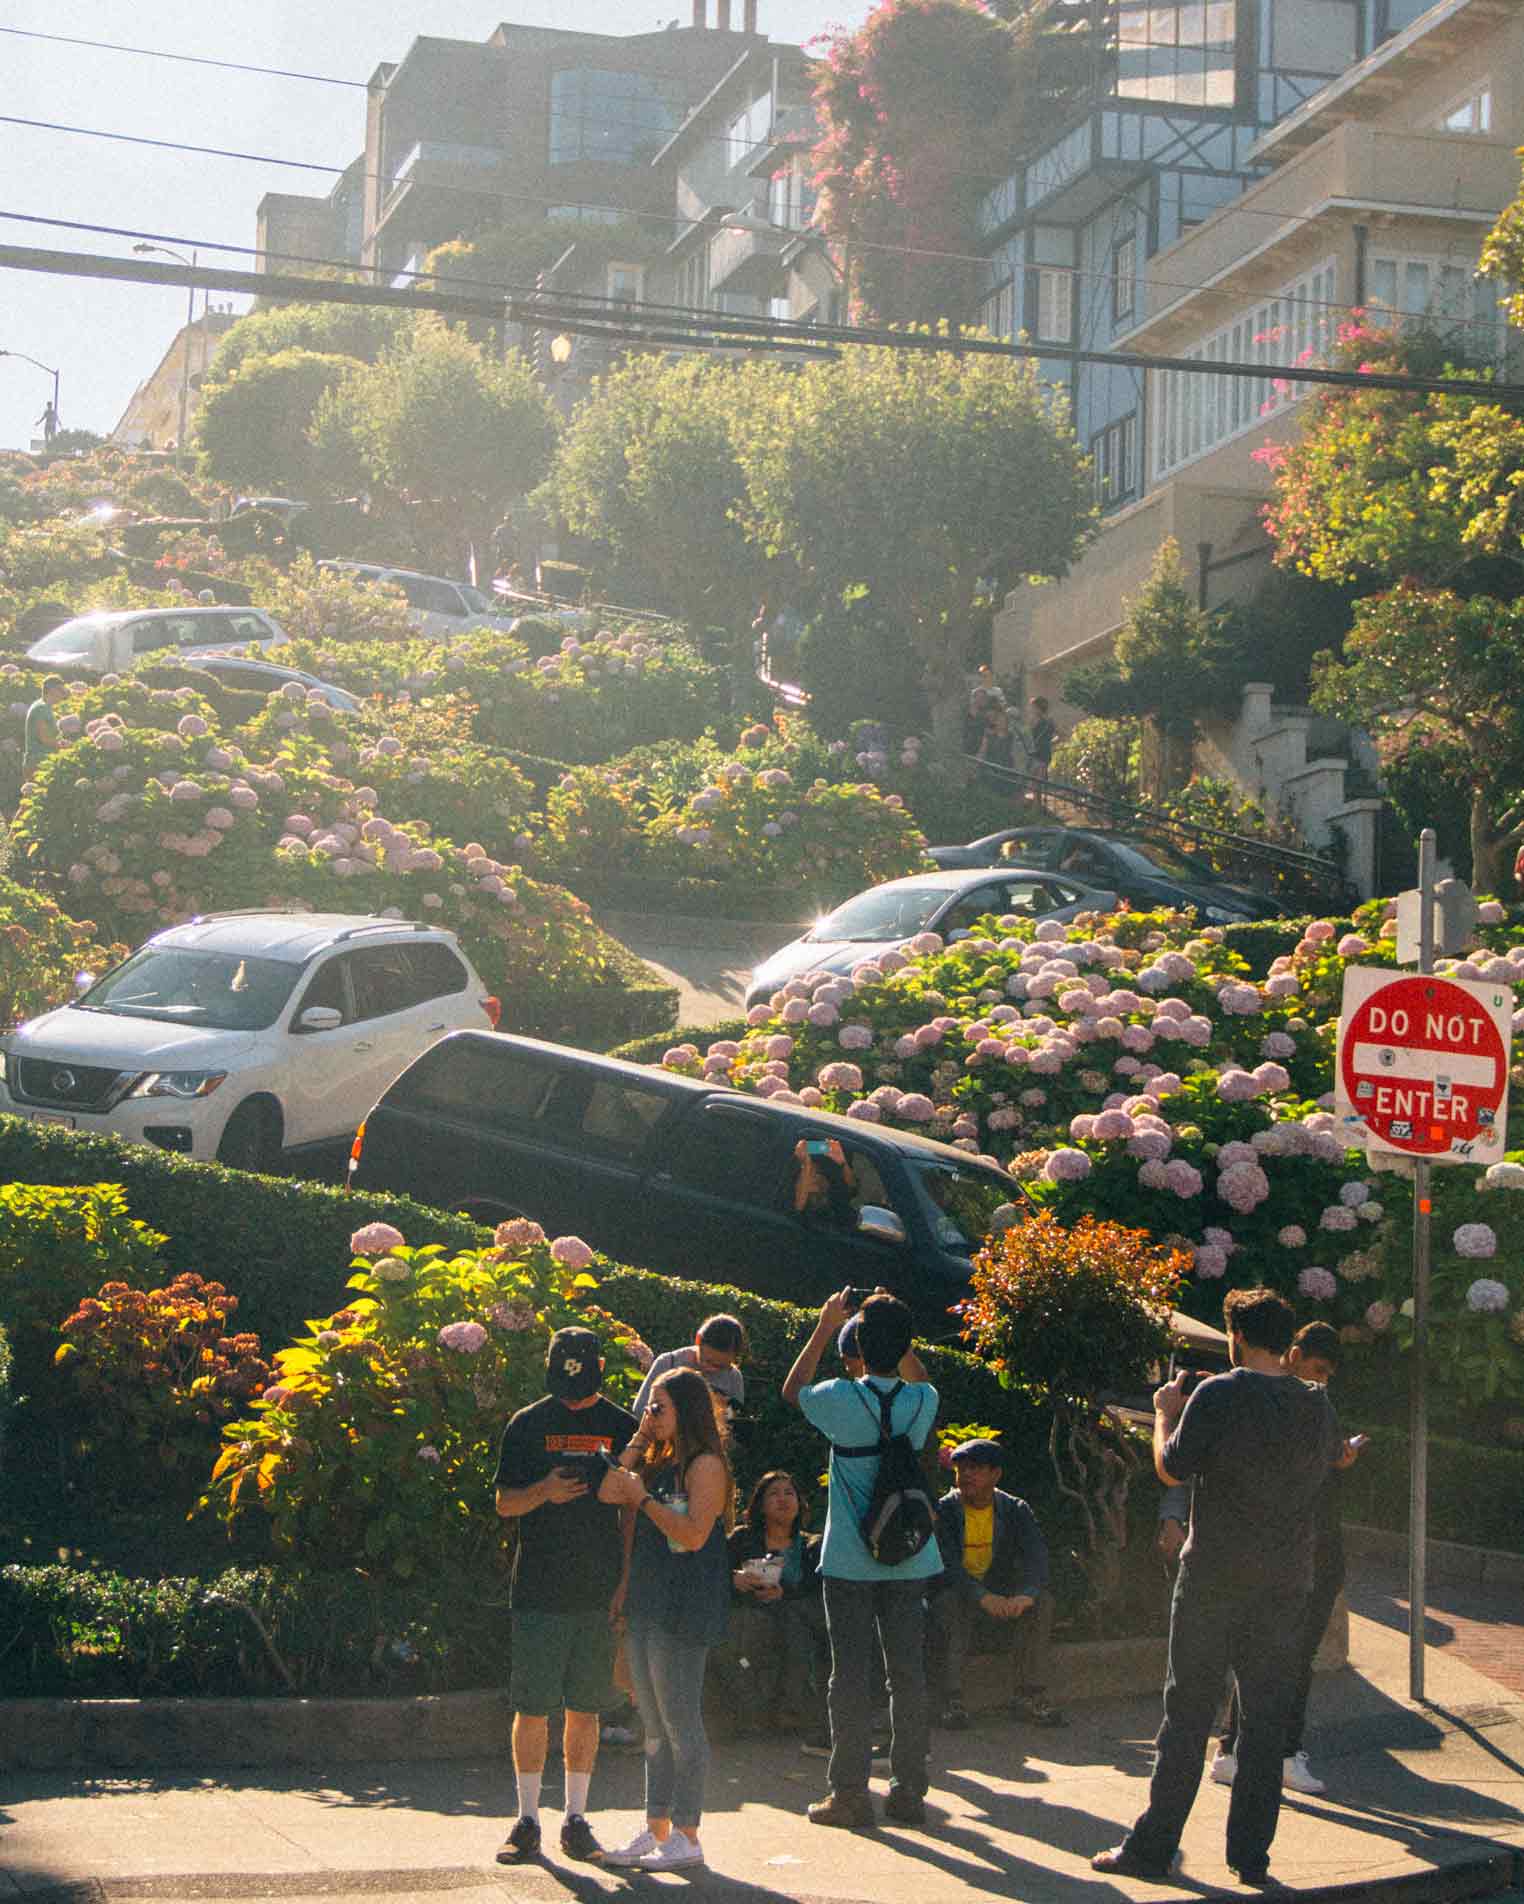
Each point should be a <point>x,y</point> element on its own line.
<point>778,1615</point>
<point>675,1477</point>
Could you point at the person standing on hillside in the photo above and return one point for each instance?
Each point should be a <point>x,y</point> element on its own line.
<point>1257,1444</point>
<point>41,737</point>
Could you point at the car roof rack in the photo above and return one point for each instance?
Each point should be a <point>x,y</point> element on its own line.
<point>382,925</point>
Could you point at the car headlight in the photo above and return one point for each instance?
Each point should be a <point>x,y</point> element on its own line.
<point>177,1084</point>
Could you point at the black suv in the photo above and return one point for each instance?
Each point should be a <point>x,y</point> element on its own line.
<point>677,1175</point>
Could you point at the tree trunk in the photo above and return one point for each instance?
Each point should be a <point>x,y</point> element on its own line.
<point>1093,1464</point>
<point>1488,849</point>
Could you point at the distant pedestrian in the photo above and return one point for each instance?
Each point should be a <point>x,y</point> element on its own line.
<point>41,735</point>
<point>1257,1445</point>
<point>1042,738</point>
<point>870,1603</point>
<point>568,1581</point>
<point>48,423</point>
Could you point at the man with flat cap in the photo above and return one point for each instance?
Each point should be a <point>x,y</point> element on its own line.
<point>568,1580</point>
<point>994,1592</point>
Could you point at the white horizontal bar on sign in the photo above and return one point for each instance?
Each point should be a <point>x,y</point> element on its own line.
<point>1404,1061</point>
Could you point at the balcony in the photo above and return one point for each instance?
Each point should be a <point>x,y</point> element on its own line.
<point>745,257</point>
<point>438,164</point>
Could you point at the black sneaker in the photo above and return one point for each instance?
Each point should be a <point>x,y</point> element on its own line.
<point>522,1843</point>
<point>577,1839</point>
<point>904,1808</point>
<point>1120,1862</point>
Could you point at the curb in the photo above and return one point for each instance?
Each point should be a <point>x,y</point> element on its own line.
<point>1447,1559</point>
<point>50,1735</point>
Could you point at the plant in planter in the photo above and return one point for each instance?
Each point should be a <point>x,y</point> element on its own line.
<point>1077,1313</point>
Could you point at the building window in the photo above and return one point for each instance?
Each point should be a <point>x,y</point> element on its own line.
<point>693,280</point>
<point>1124,277</point>
<point>1113,452</point>
<point>791,196</point>
<point>620,118</point>
<point>1473,113</point>
<point>1179,52</point>
<point>997,314</point>
<point>1055,305</point>
<point>748,129</point>
<point>585,214</point>
<point>1194,411</point>
<point>625,283</point>
<point>1436,294</point>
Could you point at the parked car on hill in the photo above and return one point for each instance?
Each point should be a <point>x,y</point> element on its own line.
<point>436,605</point>
<point>244,1036</point>
<point>1146,873</point>
<point>686,1177</point>
<point>234,669</point>
<point>944,902</point>
<point>110,641</point>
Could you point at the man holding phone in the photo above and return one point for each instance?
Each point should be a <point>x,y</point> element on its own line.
<point>568,1581</point>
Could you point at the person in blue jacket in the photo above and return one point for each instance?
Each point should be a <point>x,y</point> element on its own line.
<point>993,1595</point>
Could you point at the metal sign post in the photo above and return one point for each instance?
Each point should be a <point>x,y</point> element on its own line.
<point>1418,1408</point>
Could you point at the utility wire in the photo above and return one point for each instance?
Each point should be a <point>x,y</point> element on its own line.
<point>187,59</point>
<point>544,310</point>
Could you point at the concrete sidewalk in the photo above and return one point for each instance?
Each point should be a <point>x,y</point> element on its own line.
<point>1423,1804</point>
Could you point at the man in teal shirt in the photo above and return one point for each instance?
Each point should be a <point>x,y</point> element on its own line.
<point>42,725</point>
<point>867,1603</point>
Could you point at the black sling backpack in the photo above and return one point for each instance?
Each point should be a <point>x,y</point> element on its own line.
<point>899,1519</point>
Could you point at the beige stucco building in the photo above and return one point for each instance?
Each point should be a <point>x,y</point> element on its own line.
<point>152,418</point>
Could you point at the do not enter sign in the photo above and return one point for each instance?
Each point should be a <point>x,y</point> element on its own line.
<point>1423,1064</point>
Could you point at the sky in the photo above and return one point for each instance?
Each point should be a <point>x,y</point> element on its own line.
<point>104,339</point>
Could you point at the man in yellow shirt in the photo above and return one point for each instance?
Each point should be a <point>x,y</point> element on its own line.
<point>993,1595</point>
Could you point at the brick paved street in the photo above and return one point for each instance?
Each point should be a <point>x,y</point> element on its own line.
<point>1481,1625</point>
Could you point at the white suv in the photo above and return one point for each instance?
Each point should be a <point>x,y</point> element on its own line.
<point>435,605</point>
<point>242,1036</point>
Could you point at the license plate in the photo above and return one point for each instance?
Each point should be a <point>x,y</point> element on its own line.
<point>52,1117</point>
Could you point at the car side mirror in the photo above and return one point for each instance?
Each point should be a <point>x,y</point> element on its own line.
<point>319,1018</point>
<point>882,1225</point>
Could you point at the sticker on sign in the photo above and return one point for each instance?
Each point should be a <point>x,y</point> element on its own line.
<point>1423,1065</point>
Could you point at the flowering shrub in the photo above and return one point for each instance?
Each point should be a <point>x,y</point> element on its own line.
<point>157,1368</point>
<point>42,951</point>
<point>1127,1069</point>
<point>375,1445</point>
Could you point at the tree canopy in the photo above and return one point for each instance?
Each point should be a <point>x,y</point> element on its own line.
<point>252,426</point>
<point>337,330</point>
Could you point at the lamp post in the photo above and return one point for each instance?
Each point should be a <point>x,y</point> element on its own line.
<point>47,368</point>
<point>190,318</point>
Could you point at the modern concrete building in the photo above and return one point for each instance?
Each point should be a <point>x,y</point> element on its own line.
<point>1249,172</point>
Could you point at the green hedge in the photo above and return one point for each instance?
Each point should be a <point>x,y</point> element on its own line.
<point>649,1050</point>
<point>5,1387</point>
<point>281,1246</point>
<point>68,1632</point>
<point>1476,1493</point>
<point>633,1002</point>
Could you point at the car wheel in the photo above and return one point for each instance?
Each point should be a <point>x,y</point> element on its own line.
<point>251,1140</point>
<point>486,1211</point>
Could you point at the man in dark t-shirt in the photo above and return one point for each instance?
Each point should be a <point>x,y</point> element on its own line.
<point>1257,1444</point>
<point>567,1578</point>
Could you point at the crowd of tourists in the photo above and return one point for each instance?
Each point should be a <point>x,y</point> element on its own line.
<point>637,1567</point>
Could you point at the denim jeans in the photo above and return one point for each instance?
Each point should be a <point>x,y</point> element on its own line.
<point>668,1676</point>
<point>1253,1633</point>
<point>788,1661</point>
<point>1327,1579</point>
<point>959,1628</point>
<point>861,1615</point>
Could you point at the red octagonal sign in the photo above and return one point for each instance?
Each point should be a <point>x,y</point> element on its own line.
<point>1423,1064</point>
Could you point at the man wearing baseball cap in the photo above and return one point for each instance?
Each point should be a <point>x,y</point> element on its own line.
<point>994,1592</point>
<point>568,1580</point>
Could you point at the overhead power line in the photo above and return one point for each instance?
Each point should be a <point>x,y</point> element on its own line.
<point>185,59</point>
<point>714,330</point>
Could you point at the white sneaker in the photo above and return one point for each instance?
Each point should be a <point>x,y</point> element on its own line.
<point>1298,1775</point>
<point>640,1846</point>
<point>1224,1768</point>
<point>673,1853</point>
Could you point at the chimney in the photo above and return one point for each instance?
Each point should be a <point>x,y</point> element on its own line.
<point>750,17</point>
<point>700,9</point>
<point>722,15</point>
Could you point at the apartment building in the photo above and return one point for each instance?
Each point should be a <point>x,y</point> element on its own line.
<point>1359,152</point>
<point>535,122</point>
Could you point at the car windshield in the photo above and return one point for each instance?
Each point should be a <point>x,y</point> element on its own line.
<point>889,912</point>
<point>1140,856</point>
<point>222,991</point>
<point>961,1201</point>
<point>73,638</point>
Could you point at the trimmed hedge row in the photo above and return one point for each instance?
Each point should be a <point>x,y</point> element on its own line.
<point>630,1003</point>
<point>5,1385</point>
<point>649,1050</point>
<point>281,1246</point>
<point>1261,942</point>
<point>1476,1494</point>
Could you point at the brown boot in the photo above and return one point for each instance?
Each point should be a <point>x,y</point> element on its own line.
<point>853,1811</point>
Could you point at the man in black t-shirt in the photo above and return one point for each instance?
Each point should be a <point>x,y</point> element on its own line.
<point>1257,1444</point>
<point>568,1580</point>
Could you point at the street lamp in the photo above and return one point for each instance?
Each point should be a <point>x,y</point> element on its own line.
<point>43,367</point>
<point>190,319</point>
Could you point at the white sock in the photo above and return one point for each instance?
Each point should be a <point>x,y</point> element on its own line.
<point>529,1794</point>
<point>576,1793</point>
